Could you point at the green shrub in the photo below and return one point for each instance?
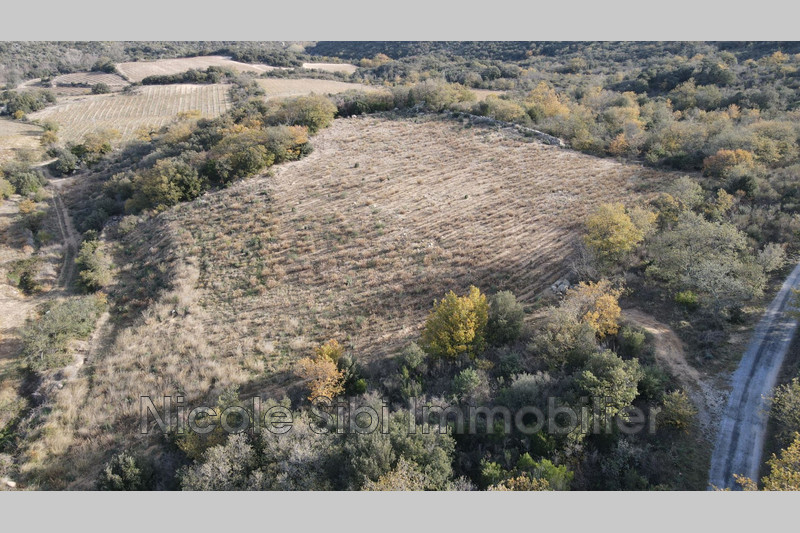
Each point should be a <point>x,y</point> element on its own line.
<point>651,386</point>
<point>505,318</point>
<point>315,112</point>
<point>510,364</point>
<point>125,472</point>
<point>25,180</point>
<point>22,274</point>
<point>66,163</point>
<point>6,189</point>
<point>414,357</point>
<point>94,266</point>
<point>786,409</point>
<point>687,299</point>
<point>631,341</point>
<point>360,386</point>
<point>101,88</point>
<point>46,338</point>
<point>470,384</point>
<point>677,410</point>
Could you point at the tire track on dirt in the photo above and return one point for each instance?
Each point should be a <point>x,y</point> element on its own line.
<point>740,442</point>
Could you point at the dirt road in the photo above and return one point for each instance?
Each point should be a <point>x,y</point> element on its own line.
<point>741,437</point>
<point>669,351</point>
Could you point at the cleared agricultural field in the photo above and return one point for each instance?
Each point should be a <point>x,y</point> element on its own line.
<point>138,70</point>
<point>357,240</point>
<point>282,88</point>
<point>154,105</point>
<point>354,242</point>
<point>15,136</point>
<point>90,78</point>
<point>347,68</point>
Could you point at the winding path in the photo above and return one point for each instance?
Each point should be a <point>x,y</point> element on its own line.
<point>669,352</point>
<point>740,441</point>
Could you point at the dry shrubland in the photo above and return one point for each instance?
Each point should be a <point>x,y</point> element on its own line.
<point>352,243</point>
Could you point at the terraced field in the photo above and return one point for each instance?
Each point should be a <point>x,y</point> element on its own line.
<point>154,105</point>
<point>16,136</point>
<point>282,88</point>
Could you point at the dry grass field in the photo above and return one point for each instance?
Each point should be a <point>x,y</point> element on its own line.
<point>282,88</point>
<point>347,68</point>
<point>354,242</point>
<point>154,105</point>
<point>16,136</point>
<point>136,71</point>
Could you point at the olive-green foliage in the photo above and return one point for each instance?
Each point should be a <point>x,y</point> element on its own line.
<point>652,383</point>
<point>470,385</point>
<point>247,153</point>
<point>125,472</point>
<point>526,390</point>
<point>101,88</point>
<point>631,341</point>
<point>563,340</point>
<point>167,183</point>
<point>500,109</point>
<point>358,102</point>
<point>45,338</point>
<point>304,459</point>
<point>611,233</point>
<point>711,259</point>
<point>608,377</point>
<point>66,162</point>
<point>27,101</point>
<point>315,112</point>
<point>786,409</point>
<point>24,179</point>
<point>22,274</point>
<point>505,318</point>
<point>6,189</point>
<point>678,411</point>
<point>687,299</point>
<point>94,266</point>
<point>558,477</point>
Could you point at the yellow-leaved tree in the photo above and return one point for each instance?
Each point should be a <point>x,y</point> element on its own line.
<point>321,371</point>
<point>457,325</point>
<point>612,233</point>
<point>596,304</point>
<point>784,471</point>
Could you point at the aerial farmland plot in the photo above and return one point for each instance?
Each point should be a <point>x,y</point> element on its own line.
<point>154,105</point>
<point>379,236</point>
<point>87,79</point>
<point>287,87</point>
<point>15,136</point>
<point>347,68</point>
<point>136,71</point>
<point>610,230</point>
